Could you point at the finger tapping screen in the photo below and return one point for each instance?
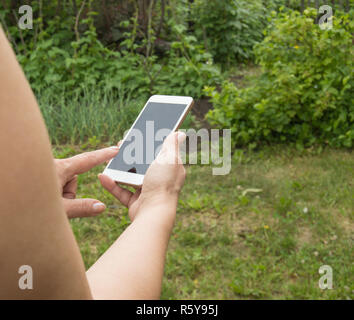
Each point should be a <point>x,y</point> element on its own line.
<point>144,141</point>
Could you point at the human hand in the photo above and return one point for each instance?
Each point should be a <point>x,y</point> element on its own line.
<point>68,171</point>
<point>162,183</point>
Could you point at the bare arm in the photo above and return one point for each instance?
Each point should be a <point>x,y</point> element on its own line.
<point>34,228</point>
<point>133,267</point>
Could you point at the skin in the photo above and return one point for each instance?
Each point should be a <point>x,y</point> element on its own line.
<point>38,195</point>
<point>68,171</point>
<point>143,244</point>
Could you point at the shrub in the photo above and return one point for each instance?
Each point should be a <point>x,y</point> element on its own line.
<point>61,63</point>
<point>188,67</point>
<point>64,57</point>
<point>230,28</point>
<point>305,93</point>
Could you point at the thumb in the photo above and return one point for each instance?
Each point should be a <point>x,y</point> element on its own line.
<point>170,152</point>
<point>173,141</point>
<point>78,208</point>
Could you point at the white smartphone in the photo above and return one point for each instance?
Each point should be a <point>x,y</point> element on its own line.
<point>160,116</point>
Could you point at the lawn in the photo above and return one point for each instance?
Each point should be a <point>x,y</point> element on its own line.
<point>263,231</point>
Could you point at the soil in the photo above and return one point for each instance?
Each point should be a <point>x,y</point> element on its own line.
<point>200,109</point>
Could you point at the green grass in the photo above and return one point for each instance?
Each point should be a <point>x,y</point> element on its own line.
<point>96,116</point>
<point>89,119</point>
<point>232,244</point>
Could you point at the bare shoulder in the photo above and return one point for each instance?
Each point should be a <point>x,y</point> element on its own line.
<point>34,230</point>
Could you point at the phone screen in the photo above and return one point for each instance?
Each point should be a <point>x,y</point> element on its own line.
<point>144,141</point>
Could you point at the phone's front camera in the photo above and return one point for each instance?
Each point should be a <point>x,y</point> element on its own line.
<point>132,170</point>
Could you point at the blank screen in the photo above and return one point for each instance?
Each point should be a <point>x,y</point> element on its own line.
<point>142,143</point>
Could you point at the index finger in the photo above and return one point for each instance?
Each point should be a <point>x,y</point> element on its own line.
<point>86,161</point>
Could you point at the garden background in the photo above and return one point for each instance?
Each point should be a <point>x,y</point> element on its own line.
<point>264,69</point>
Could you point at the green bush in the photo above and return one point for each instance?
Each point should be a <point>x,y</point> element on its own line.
<point>184,69</point>
<point>61,63</point>
<point>65,56</point>
<point>229,29</point>
<point>305,93</point>
<point>296,4</point>
<point>188,67</point>
<point>290,4</point>
<point>89,91</point>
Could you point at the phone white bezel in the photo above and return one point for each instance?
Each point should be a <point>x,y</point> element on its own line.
<point>134,179</point>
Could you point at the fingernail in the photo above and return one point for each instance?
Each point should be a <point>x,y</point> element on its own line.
<point>98,207</point>
<point>115,148</point>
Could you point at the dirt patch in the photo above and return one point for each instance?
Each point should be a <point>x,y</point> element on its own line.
<point>304,236</point>
<point>238,225</point>
<point>237,79</point>
<point>345,223</point>
<point>276,173</point>
<point>200,109</point>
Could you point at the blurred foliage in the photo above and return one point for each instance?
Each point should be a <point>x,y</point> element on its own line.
<point>305,93</point>
<point>229,28</point>
<point>81,50</point>
<point>67,52</point>
<point>98,44</point>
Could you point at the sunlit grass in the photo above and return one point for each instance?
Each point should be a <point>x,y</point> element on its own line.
<point>269,244</point>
